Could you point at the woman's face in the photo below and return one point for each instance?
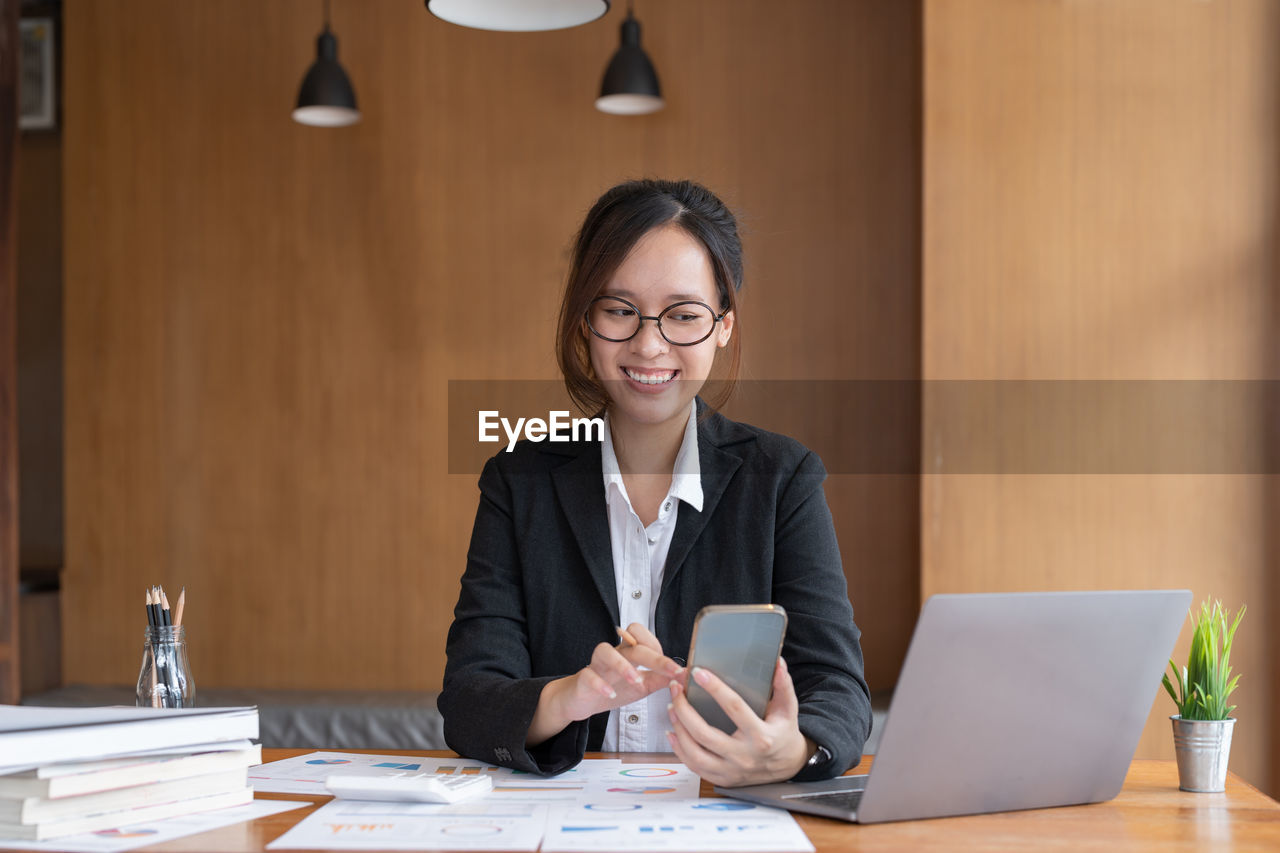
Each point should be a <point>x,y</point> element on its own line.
<point>648,379</point>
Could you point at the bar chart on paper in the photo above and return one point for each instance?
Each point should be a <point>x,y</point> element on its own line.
<point>306,774</point>
<point>672,824</point>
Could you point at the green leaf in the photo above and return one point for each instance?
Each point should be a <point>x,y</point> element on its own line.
<point>1202,687</point>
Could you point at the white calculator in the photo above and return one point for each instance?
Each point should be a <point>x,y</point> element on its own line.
<point>421,788</point>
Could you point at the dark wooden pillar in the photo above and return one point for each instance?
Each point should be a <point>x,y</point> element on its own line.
<point>8,353</point>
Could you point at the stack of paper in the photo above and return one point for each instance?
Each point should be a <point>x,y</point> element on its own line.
<point>66,771</point>
<point>601,804</point>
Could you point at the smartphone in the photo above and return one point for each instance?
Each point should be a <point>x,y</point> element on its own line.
<point>740,643</point>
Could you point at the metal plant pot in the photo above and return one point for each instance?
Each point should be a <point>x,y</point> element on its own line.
<point>1202,748</point>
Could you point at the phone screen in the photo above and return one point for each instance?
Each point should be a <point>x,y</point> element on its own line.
<point>740,644</point>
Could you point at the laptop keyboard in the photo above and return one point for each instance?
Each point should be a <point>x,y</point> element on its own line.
<point>840,799</point>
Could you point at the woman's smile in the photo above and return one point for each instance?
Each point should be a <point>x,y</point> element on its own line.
<point>650,379</point>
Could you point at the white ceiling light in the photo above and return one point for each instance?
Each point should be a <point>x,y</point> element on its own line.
<point>518,15</point>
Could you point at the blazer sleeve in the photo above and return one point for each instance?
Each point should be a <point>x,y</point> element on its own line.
<point>822,648</point>
<point>489,695</point>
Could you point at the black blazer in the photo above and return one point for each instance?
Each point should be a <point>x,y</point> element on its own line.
<point>539,593</point>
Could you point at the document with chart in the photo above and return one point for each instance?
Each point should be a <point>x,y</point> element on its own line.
<point>675,824</point>
<point>600,804</point>
<point>360,825</point>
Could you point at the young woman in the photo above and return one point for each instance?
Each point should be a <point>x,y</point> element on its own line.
<point>677,508</point>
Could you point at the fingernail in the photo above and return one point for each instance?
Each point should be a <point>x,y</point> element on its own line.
<point>700,675</point>
<point>612,694</point>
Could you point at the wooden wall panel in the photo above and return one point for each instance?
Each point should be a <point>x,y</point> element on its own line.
<point>39,343</point>
<point>9,677</point>
<point>261,318</point>
<point>1100,203</point>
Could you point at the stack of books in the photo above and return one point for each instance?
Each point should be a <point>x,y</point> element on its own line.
<point>64,771</point>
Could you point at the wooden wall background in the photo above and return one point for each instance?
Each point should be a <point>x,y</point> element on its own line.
<point>1101,188</point>
<point>261,318</point>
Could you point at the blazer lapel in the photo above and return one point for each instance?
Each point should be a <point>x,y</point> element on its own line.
<point>718,467</point>
<point>579,484</point>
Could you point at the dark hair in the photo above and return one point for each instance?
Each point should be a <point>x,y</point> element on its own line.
<point>613,226</point>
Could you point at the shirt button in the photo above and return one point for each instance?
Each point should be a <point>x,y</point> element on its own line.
<point>633,718</point>
<point>666,506</point>
<point>635,593</point>
<point>653,540</point>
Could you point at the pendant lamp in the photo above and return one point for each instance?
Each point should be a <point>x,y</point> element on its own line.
<point>518,15</point>
<point>630,86</point>
<point>326,98</point>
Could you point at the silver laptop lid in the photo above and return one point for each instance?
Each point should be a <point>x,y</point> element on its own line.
<point>1021,700</point>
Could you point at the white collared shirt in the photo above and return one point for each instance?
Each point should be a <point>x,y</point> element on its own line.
<point>639,563</point>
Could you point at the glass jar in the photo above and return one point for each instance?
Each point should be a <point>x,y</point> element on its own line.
<point>165,680</point>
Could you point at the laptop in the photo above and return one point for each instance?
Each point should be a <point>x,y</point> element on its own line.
<point>1007,701</point>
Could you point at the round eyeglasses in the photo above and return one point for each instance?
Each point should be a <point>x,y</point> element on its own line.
<point>681,324</point>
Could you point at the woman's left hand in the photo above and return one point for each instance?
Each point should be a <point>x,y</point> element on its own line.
<point>760,751</point>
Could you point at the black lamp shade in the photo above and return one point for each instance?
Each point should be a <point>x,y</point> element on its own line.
<point>630,85</point>
<point>326,98</point>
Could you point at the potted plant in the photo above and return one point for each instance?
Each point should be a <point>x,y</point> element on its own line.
<point>1202,727</point>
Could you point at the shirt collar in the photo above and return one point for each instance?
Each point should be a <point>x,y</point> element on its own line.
<point>686,476</point>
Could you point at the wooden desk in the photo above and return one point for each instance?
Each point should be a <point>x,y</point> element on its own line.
<point>1150,814</point>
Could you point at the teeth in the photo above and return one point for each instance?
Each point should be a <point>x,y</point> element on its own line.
<point>650,378</point>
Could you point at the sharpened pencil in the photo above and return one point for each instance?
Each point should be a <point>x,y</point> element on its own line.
<point>627,638</point>
<point>153,622</point>
<point>182,602</point>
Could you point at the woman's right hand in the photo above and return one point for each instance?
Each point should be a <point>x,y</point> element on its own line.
<point>613,678</point>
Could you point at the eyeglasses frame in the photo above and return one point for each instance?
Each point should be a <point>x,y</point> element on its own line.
<point>715,318</point>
